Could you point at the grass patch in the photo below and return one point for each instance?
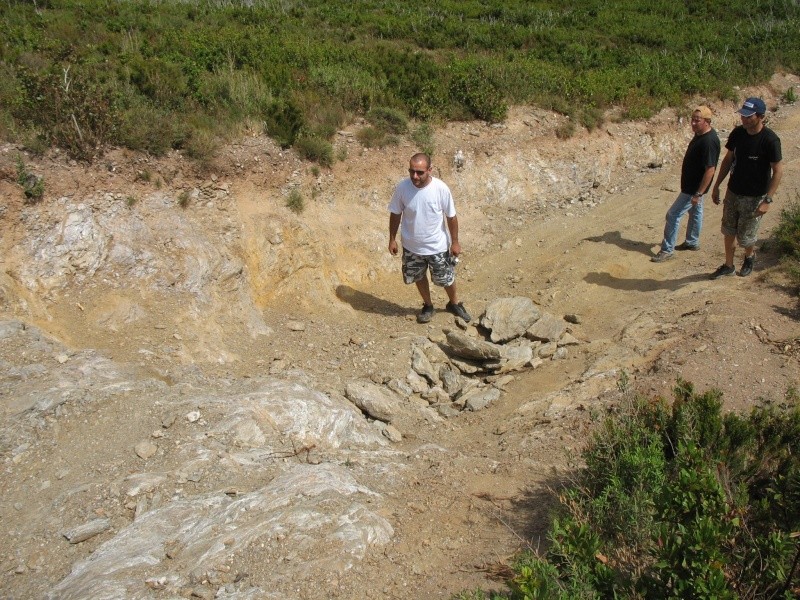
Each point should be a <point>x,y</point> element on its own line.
<point>184,199</point>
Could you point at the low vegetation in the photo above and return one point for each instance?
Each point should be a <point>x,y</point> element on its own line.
<point>787,238</point>
<point>295,201</point>
<point>32,185</point>
<point>155,76</point>
<point>676,501</point>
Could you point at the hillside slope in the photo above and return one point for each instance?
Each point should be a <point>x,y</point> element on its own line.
<point>135,334</point>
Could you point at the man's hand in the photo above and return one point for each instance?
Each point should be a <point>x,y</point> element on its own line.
<point>715,195</point>
<point>455,248</point>
<point>393,249</point>
<point>762,208</point>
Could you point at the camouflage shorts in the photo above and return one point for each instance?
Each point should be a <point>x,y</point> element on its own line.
<point>443,273</point>
<point>739,217</point>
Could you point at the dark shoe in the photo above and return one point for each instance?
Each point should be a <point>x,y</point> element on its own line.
<point>459,311</point>
<point>722,271</point>
<point>426,314</point>
<point>662,256</point>
<point>685,246</point>
<point>747,266</point>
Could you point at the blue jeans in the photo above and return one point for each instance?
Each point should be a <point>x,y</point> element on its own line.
<point>682,205</point>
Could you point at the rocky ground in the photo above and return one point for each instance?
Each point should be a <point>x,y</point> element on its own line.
<point>176,348</point>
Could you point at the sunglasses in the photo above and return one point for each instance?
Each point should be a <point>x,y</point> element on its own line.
<point>417,172</point>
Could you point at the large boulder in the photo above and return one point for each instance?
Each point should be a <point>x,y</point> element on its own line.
<point>509,318</point>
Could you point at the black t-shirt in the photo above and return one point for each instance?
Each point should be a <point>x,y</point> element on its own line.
<point>752,163</point>
<point>703,152</point>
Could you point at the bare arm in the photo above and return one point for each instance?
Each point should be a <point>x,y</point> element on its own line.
<point>724,169</point>
<point>772,187</point>
<point>455,246</point>
<point>775,181</point>
<point>394,225</point>
<point>708,177</point>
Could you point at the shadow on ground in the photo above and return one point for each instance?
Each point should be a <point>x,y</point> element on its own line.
<point>615,238</point>
<point>642,285</point>
<point>365,302</point>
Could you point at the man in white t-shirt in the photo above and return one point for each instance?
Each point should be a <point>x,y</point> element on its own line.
<point>422,209</point>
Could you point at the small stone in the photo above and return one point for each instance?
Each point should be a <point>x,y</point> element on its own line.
<point>88,530</point>
<point>392,434</point>
<point>145,449</point>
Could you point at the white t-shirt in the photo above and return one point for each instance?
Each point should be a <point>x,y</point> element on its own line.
<point>423,228</point>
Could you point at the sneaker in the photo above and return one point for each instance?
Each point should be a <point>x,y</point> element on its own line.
<point>747,266</point>
<point>722,271</point>
<point>662,256</point>
<point>426,314</point>
<point>459,311</point>
<point>685,246</point>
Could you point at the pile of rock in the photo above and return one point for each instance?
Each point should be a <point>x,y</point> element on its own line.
<point>469,366</point>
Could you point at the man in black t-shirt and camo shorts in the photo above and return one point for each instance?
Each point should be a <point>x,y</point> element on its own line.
<point>753,160</point>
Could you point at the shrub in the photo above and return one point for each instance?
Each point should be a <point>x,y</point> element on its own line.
<point>566,130</point>
<point>32,185</point>
<point>316,149</point>
<point>372,137</point>
<point>148,129</point>
<point>295,202</point>
<point>201,145</point>
<point>787,238</point>
<point>677,502</point>
<point>473,88</point>
<point>353,87</point>
<point>423,137</point>
<point>283,121</point>
<point>388,120</point>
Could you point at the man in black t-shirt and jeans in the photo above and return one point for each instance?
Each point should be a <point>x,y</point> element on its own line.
<point>753,160</point>
<point>697,173</point>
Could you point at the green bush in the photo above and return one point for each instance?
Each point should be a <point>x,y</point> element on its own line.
<point>473,88</point>
<point>678,502</point>
<point>372,137</point>
<point>315,149</point>
<point>423,137</point>
<point>283,121</point>
<point>295,202</point>
<point>388,120</point>
<point>32,185</point>
<point>84,74</point>
<point>787,237</point>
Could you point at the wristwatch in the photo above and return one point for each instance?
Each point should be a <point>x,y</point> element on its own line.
<point>767,199</point>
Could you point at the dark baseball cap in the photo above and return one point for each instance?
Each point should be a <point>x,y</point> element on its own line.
<point>753,106</point>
